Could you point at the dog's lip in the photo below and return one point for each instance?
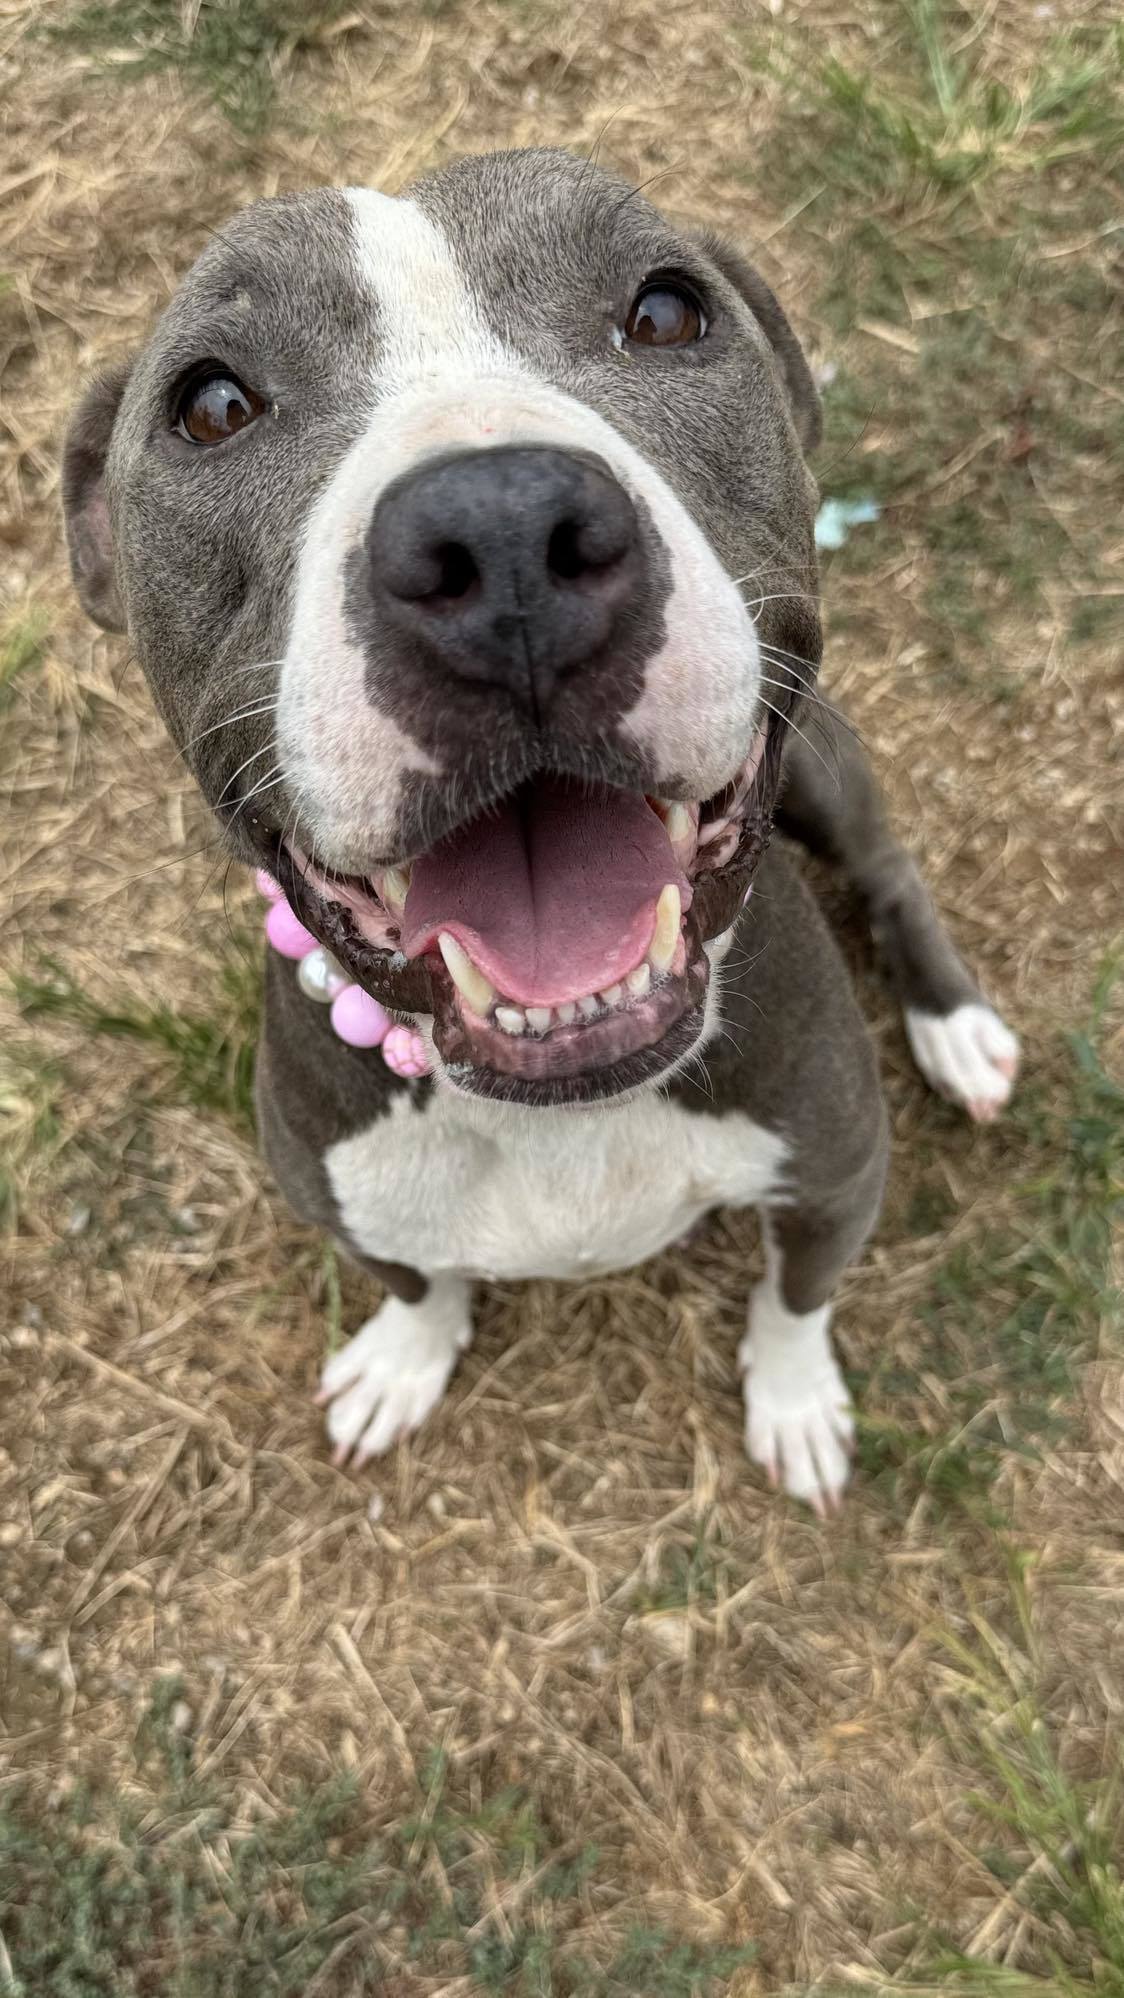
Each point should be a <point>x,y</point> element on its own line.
<point>710,818</point>
<point>578,1063</point>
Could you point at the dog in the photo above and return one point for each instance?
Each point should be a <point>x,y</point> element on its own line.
<point>466,539</point>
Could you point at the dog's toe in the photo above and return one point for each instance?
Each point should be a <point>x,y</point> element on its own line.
<point>383,1383</point>
<point>800,1433</point>
<point>969,1055</point>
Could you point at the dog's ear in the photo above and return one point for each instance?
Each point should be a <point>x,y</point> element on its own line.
<point>803,399</point>
<point>89,536</point>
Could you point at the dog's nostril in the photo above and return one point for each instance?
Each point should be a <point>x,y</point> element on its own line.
<point>456,570</point>
<point>564,557</point>
<point>579,550</point>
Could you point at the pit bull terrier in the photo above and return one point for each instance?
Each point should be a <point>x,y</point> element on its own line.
<point>466,540</point>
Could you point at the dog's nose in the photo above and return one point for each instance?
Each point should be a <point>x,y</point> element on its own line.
<point>512,566</point>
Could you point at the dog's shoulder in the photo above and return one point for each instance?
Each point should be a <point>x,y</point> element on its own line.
<point>793,1053</point>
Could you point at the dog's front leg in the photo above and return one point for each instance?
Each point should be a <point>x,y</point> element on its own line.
<point>394,1372</point>
<point>799,1426</point>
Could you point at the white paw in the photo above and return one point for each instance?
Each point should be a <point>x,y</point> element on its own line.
<point>392,1374</point>
<point>798,1422</point>
<point>968,1055</point>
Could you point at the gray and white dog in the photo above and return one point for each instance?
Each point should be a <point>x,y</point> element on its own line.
<point>466,539</point>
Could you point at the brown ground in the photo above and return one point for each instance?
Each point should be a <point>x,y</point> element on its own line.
<point>571,1581</point>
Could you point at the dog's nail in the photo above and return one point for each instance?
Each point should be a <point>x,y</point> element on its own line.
<point>340,1455</point>
<point>983,1111</point>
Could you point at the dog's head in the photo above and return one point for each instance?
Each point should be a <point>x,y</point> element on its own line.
<point>467,543</point>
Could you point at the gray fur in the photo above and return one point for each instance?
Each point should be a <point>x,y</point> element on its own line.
<point>203,555</point>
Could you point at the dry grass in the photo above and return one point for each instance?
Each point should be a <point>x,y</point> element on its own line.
<point>570,1586</point>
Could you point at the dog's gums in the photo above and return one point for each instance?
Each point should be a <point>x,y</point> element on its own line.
<point>551,936</point>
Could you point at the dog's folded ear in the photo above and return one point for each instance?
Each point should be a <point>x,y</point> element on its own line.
<point>803,399</point>
<point>89,536</point>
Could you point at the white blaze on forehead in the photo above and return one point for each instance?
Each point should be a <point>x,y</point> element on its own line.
<point>444,378</point>
<point>427,317</point>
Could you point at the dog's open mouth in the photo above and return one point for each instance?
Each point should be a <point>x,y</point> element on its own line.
<point>554,937</point>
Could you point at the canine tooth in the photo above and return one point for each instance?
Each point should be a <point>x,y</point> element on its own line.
<point>611,995</point>
<point>395,886</point>
<point>470,982</point>
<point>538,1019</point>
<point>665,936</point>
<point>639,981</point>
<point>567,1013</point>
<point>510,1019</point>
<point>678,824</point>
<point>589,1006</point>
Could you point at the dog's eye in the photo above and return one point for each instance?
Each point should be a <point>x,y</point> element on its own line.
<point>214,407</point>
<point>665,315</point>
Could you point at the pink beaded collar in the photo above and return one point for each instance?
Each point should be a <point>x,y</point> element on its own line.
<point>356,1017</point>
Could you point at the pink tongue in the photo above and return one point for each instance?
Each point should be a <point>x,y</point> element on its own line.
<point>553,894</point>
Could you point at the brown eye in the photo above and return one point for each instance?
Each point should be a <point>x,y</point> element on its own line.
<point>215,407</point>
<point>665,315</point>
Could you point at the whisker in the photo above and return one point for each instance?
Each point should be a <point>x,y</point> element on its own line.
<point>265,750</point>
<point>685,1072</point>
<point>808,744</point>
<point>240,714</point>
<point>792,659</point>
<point>644,184</point>
<point>805,693</point>
<point>784,597</point>
<point>276,776</point>
<point>804,680</point>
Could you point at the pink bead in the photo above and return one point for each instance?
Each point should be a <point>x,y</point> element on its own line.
<point>404,1053</point>
<point>267,886</point>
<point>286,933</point>
<point>358,1019</point>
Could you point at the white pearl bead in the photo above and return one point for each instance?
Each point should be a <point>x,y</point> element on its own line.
<point>320,976</point>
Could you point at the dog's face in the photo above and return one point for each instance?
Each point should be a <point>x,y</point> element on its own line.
<point>467,543</point>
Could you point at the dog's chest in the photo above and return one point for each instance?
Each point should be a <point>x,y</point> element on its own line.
<point>496,1191</point>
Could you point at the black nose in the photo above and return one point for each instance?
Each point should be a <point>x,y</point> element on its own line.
<point>513,566</point>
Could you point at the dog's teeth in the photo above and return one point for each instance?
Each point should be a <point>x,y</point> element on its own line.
<point>538,1019</point>
<point>589,1006</point>
<point>611,995</point>
<point>639,981</point>
<point>567,1013</point>
<point>510,1019</point>
<point>665,937</point>
<point>470,983</point>
<point>395,886</point>
<point>678,824</point>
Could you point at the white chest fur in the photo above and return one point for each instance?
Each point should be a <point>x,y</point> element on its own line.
<point>492,1190</point>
